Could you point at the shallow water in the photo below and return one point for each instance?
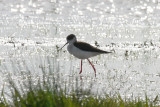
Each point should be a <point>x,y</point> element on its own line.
<point>31,32</point>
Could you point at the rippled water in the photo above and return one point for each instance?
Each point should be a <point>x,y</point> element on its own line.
<point>31,31</point>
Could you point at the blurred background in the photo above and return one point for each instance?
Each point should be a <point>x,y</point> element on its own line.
<point>32,31</point>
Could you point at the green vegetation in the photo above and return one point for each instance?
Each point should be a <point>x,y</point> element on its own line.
<point>46,92</point>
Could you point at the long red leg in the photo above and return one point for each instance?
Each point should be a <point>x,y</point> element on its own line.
<point>92,66</point>
<point>81,67</point>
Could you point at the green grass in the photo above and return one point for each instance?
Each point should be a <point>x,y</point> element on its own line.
<point>50,94</point>
<point>46,92</point>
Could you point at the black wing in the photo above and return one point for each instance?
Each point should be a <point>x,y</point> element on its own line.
<point>87,47</point>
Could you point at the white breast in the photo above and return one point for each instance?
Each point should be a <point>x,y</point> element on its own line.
<point>80,53</point>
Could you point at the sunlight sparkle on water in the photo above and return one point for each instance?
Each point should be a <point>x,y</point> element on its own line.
<point>32,33</point>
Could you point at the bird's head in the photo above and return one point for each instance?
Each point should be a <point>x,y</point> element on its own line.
<point>70,39</point>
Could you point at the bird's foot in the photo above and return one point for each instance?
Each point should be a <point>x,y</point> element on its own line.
<point>80,72</point>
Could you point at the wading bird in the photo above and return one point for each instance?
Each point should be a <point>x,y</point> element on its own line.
<point>82,50</point>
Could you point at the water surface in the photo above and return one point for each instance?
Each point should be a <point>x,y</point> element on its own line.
<point>31,32</point>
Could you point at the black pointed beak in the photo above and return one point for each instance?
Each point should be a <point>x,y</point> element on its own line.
<point>64,45</point>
